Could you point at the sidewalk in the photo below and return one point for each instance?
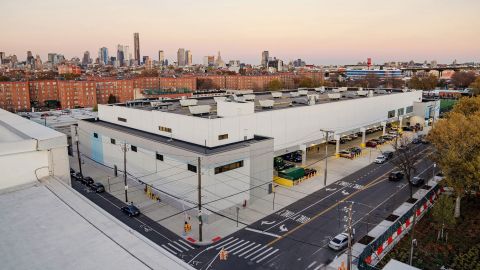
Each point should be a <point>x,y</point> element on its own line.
<point>256,209</point>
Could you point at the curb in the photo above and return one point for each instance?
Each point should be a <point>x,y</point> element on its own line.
<point>194,241</point>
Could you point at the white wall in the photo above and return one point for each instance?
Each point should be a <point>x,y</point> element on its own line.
<point>289,127</point>
<point>19,169</point>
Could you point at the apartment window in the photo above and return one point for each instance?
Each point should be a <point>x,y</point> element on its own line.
<point>192,168</point>
<point>391,114</point>
<point>165,129</point>
<point>229,167</point>
<point>134,148</point>
<point>112,141</point>
<point>401,111</point>
<point>122,119</point>
<point>409,109</point>
<point>95,135</point>
<point>223,137</point>
<point>159,157</point>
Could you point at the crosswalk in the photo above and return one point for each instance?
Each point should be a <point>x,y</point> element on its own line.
<point>248,250</point>
<point>176,247</point>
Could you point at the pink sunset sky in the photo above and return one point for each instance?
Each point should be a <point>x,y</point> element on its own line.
<point>320,32</point>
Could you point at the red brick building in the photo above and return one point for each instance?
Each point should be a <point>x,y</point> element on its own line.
<point>74,94</point>
<point>14,96</point>
<point>123,90</point>
<point>40,91</point>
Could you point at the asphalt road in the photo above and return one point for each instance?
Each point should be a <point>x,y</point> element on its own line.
<point>296,237</point>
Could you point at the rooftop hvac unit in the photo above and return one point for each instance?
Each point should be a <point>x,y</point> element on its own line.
<point>336,90</point>
<point>200,109</point>
<point>349,94</point>
<point>276,94</point>
<point>301,100</point>
<point>362,93</point>
<point>334,96</point>
<point>188,102</point>
<point>237,98</point>
<point>314,96</point>
<point>266,103</point>
<point>249,97</point>
<point>380,91</point>
<point>370,93</point>
<point>343,89</point>
<point>217,99</point>
<point>303,92</point>
<point>294,94</point>
<point>320,89</point>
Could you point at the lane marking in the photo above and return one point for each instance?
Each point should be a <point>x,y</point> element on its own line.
<point>186,249</point>
<point>312,264</point>
<point>260,254</point>
<point>262,232</point>
<point>232,250</point>
<point>268,255</point>
<point>318,267</point>
<point>218,248</point>
<point>238,251</point>
<point>186,244</point>
<point>179,250</point>
<point>222,242</point>
<point>171,251</point>
<point>249,250</point>
<point>256,251</point>
<point>231,246</point>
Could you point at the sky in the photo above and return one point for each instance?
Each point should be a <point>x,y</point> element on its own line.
<point>318,31</point>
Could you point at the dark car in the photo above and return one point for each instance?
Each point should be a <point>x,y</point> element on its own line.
<point>388,154</point>
<point>72,171</point>
<point>395,176</point>
<point>87,181</point>
<point>98,187</point>
<point>408,128</point>
<point>416,141</point>
<point>371,143</point>
<point>380,141</point>
<point>346,154</point>
<point>131,210</point>
<point>355,150</point>
<point>386,137</point>
<point>417,181</point>
<point>77,176</point>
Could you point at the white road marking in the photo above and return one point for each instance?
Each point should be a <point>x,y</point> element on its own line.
<point>264,222</point>
<point>231,246</point>
<point>312,264</point>
<point>256,251</point>
<point>283,228</point>
<point>179,250</point>
<point>232,250</point>
<point>221,242</point>
<point>249,250</point>
<point>238,251</point>
<point>262,232</point>
<point>260,254</point>
<point>186,249</point>
<point>229,242</point>
<point>318,267</point>
<point>268,255</point>
<point>173,252</point>
<point>186,244</point>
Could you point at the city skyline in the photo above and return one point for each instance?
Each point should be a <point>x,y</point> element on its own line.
<point>242,30</point>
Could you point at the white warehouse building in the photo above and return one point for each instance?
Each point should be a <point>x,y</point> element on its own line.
<point>234,138</point>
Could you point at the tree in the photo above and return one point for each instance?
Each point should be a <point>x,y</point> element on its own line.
<point>405,159</point>
<point>456,139</point>
<point>112,99</point>
<point>468,260</point>
<point>423,83</point>
<point>462,79</point>
<point>475,86</point>
<point>371,80</point>
<point>203,84</point>
<point>442,214</point>
<point>305,82</point>
<point>274,85</point>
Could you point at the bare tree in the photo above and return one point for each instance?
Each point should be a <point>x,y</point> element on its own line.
<point>405,158</point>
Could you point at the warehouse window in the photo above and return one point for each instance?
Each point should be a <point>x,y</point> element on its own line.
<point>391,113</point>
<point>95,135</point>
<point>165,129</point>
<point>229,167</point>
<point>121,119</point>
<point>223,137</point>
<point>192,168</point>
<point>409,109</point>
<point>159,156</point>
<point>401,111</point>
<point>112,141</point>
<point>134,148</point>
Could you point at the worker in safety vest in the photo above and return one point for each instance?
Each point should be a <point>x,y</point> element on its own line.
<point>223,254</point>
<point>187,227</point>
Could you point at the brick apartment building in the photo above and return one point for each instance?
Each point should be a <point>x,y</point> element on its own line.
<point>14,96</point>
<point>74,94</point>
<point>123,90</point>
<point>40,91</point>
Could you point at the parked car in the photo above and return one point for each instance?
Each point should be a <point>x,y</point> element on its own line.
<point>416,141</point>
<point>387,137</point>
<point>395,176</point>
<point>72,171</point>
<point>354,135</point>
<point>408,128</point>
<point>380,159</point>
<point>371,143</point>
<point>77,176</point>
<point>87,181</point>
<point>388,154</point>
<point>424,141</point>
<point>346,138</point>
<point>332,142</point>
<point>131,210</point>
<point>356,150</point>
<point>417,181</point>
<point>381,141</point>
<point>339,242</point>
<point>98,187</point>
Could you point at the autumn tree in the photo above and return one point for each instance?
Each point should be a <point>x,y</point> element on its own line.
<point>442,214</point>
<point>456,139</point>
<point>274,85</point>
<point>462,79</point>
<point>475,86</point>
<point>112,99</point>
<point>423,83</point>
<point>305,82</point>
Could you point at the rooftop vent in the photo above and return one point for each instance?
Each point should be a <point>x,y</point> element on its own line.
<point>217,99</point>
<point>249,97</point>
<point>320,89</point>
<point>200,109</point>
<point>188,102</point>
<point>294,94</point>
<point>266,103</point>
<point>302,92</point>
<point>334,96</point>
<point>276,94</point>
<point>380,91</point>
<point>362,93</point>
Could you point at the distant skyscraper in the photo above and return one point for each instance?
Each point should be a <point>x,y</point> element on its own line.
<point>103,56</point>
<point>2,56</point>
<point>181,57</point>
<point>126,55</point>
<point>51,57</point>
<point>120,56</point>
<point>264,58</point>
<point>136,44</point>
<point>86,58</point>
<point>30,59</point>
<point>219,62</point>
<point>161,58</point>
<point>188,58</point>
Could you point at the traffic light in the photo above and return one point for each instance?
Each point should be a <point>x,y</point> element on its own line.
<point>223,254</point>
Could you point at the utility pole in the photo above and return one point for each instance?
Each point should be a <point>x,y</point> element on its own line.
<point>78,151</point>
<point>349,252</point>
<point>326,156</point>
<point>124,148</point>
<point>412,240</point>
<point>200,221</point>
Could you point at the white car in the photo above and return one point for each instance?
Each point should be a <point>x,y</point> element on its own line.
<point>380,159</point>
<point>339,242</point>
